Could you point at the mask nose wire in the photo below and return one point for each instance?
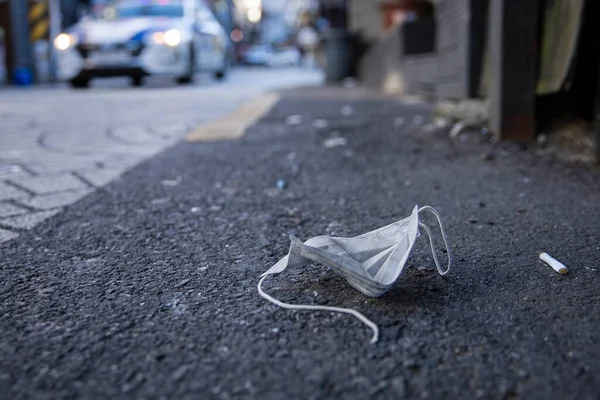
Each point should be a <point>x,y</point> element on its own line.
<point>350,311</point>
<point>435,258</point>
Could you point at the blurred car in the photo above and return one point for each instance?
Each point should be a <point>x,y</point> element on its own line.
<point>269,56</point>
<point>138,38</point>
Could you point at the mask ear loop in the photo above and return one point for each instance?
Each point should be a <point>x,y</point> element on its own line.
<point>437,263</point>
<point>350,311</point>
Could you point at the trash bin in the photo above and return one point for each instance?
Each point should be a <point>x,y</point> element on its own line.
<point>338,47</point>
<point>23,76</point>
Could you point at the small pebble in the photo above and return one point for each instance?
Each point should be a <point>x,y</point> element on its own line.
<point>281,184</point>
<point>349,83</point>
<point>171,182</point>
<point>293,120</point>
<point>159,201</point>
<point>8,169</point>
<point>429,128</point>
<point>488,157</point>
<point>440,122</point>
<point>335,142</point>
<point>399,121</point>
<point>320,123</point>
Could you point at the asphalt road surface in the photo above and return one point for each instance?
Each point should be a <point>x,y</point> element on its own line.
<point>148,290</point>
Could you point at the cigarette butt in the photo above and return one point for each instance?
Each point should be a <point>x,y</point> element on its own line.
<point>554,263</point>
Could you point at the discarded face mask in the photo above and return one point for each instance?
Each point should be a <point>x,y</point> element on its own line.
<point>371,262</point>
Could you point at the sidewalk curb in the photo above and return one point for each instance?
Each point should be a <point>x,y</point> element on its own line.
<point>233,126</point>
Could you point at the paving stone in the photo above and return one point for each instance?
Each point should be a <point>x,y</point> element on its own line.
<point>100,177</point>
<point>27,221</point>
<point>7,235</point>
<point>122,164</point>
<point>169,131</point>
<point>9,210</point>
<point>132,135</point>
<point>55,200</point>
<point>15,177</point>
<point>57,166</point>
<point>119,164</point>
<point>52,183</point>
<point>8,192</point>
<point>12,171</point>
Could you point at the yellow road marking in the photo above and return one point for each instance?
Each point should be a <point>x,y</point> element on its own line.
<point>233,126</point>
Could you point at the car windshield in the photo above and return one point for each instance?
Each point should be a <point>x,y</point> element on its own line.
<point>129,10</point>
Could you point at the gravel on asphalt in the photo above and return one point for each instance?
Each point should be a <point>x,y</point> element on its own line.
<point>142,290</point>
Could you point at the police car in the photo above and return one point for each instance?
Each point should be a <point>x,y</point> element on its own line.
<point>144,37</point>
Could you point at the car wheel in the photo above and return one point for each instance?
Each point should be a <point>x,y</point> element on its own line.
<point>137,81</point>
<point>222,73</point>
<point>79,83</point>
<point>189,75</point>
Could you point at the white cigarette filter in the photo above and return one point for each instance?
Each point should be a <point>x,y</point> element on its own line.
<point>554,263</point>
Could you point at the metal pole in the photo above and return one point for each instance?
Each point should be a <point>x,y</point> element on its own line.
<point>55,28</point>
<point>513,38</point>
<point>597,117</point>
<point>20,34</point>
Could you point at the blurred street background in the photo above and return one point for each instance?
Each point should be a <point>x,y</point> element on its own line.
<point>57,145</point>
<point>269,32</point>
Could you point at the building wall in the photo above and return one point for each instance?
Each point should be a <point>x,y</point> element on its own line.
<point>420,73</point>
<point>452,47</point>
<point>365,18</point>
<point>446,72</point>
<point>6,61</point>
<point>385,68</point>
<point>381,68</point>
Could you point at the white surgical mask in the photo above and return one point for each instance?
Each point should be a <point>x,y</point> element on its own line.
<point>371,262</point>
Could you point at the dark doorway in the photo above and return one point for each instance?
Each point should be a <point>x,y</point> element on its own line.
<point>8,40</point>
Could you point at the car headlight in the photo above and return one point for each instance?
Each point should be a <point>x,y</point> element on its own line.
<point>64,41</point>
<point>172,37</point>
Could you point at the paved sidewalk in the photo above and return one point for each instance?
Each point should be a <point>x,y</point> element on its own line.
<point>143,290</point>
<point>57,145</point>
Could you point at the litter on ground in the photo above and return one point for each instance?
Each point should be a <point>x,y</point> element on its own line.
<point>554,263</point>
<point>371,262</point>
<point>293,120</point>
<point>335,142</point>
